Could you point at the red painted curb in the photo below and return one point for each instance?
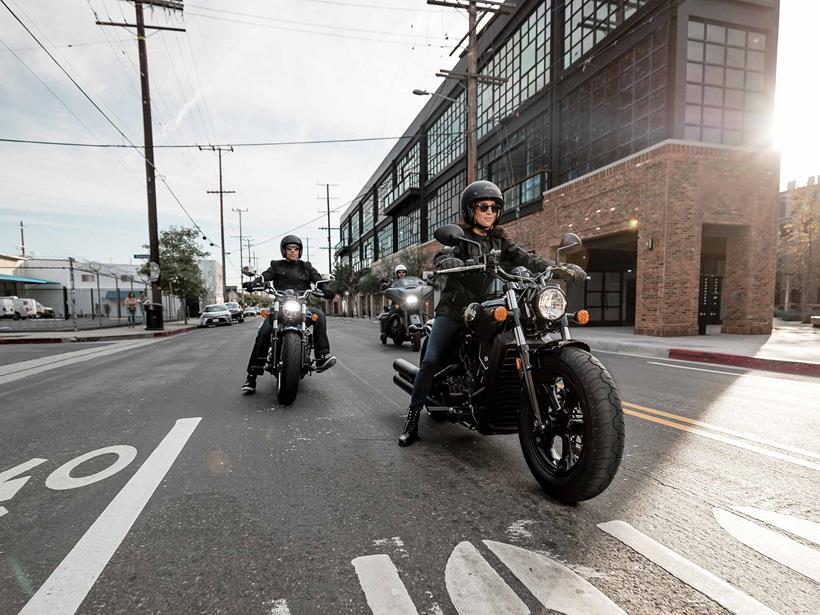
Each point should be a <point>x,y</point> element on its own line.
<point>36,340</point>
<point>770,365</point>
<point>108,338</point>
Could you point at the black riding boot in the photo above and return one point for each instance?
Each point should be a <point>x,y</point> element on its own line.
<point>411,427</point>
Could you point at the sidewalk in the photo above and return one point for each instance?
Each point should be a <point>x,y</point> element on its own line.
<point>111,334</point>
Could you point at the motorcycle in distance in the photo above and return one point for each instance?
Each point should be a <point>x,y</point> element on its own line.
<point>516,368</point>
<point>291,341</point>
<point>408,296</point>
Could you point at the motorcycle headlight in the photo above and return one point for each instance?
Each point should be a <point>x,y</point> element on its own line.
<point>412,300</point>
<point>550,304</point>
<point>291,309</point>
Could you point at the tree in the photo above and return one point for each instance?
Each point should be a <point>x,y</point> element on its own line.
<point>799,247</point>
<point>343,279</point>
<point>179,273</point>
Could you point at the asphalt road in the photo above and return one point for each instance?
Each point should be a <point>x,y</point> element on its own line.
<point>213,502</point>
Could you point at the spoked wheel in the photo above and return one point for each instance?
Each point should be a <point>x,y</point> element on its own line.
<point>576,455</point>
<point>287,384</point>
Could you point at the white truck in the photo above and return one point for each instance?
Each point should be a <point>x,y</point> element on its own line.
<point>7,308</point>
<point>23,308</point>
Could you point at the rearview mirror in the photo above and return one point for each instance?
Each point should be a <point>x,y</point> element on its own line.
<point>569,243</point>
<point>449,234</point>
<point>248,271</point>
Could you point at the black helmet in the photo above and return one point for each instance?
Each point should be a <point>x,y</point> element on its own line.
<point>287,240</point>
<point>481,190</point>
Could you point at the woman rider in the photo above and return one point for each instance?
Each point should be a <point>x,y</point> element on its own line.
<point>481,204</point>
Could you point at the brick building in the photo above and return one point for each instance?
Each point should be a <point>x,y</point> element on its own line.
<point>642,125</point>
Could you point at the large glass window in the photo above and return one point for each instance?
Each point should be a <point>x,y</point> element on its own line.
<point>587,22</point>
<point>355,227</point>
<point>409,228</point>
<point>443,207</point>
<point>619,111</point>
<point>385,240</point>
<point>367,214</point>
<point>385,187</point>
<point>367,252</point>
<point>726,97</point>
<point>445,139</point>
<point>524,61</point>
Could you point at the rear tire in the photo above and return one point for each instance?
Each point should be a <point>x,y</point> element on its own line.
<point>591,438</point>
<point>287,384</point>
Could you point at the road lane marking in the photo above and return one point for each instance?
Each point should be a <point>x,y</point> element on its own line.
<point>729,432</point>
<point>278,607</point>
<point>554,585</point>
<point>711,371</point>
<point>807,530</point>
<point>383,589</point>
<point>367,384</point>
<point>475,588</point>
<point>10,487</point>
<point>68,585</point>
<point>773,545</point>
<point>61,479</point>
<point>711,586</point>
<point>724,440</point>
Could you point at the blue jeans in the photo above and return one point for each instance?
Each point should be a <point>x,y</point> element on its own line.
<point>444,332</point>
<point>132,317</point>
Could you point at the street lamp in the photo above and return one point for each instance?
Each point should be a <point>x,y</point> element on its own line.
<point>426,93</point>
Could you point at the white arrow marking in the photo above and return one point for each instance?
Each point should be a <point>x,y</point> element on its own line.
<point>68,585</point>
<point>728,596</point>
<point>557,587</point>
<point>807,530</point>
<point>786,551</point>
<point>383,589</point>
<point>9,487</point>
<point>475,588</point>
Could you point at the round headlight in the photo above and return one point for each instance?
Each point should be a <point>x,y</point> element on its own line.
<point>412,300</point>
<point>550,304</point>
<point>292,308</point>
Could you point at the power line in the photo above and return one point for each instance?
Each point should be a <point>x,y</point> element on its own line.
<point>366,6</point>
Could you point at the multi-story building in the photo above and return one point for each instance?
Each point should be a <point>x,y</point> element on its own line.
<point>212,276</point>
<point>641,125</point>
<point>798,245</point>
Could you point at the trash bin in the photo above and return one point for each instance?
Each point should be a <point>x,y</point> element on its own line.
<point>153,316</point>
<point>701,326</point>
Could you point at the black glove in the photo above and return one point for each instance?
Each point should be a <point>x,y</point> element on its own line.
<point>450,262</point>
<point>571,273</point>
<point>328,294</point>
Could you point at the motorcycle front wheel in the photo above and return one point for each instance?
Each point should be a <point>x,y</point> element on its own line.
<point>287,385</point>
<point>576,456</point>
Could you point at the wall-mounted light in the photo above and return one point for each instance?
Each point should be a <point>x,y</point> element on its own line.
<point>650,243</point>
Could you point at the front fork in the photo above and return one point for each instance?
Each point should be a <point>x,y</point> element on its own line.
<point>524,357</point>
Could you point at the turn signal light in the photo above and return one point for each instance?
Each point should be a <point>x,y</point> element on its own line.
<point>314,317</point>
<point>582,317</point>
<point>264,312</point>
<point>500,314</point>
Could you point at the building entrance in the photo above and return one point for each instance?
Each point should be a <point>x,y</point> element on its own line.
<point>609,294</point>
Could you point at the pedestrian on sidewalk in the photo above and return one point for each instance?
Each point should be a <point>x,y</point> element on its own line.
<point>131,306</point>
<point>142,300</point>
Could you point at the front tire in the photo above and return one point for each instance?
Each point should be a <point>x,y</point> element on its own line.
<point>578,457</point>
<point>397,332</point>
<point>287,384</point>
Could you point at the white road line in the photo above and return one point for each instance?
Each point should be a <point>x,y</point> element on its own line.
<point>729,432</point>
<point>725,440</point>
<point>773,545</point>
<point>557,587</point>
<point>278,607</point>
<point>726,595</point>
<point>807,530</point>
<point>68,585</point>
<point>703,369</point>
<point>475,588</point>
<point>383,589</point>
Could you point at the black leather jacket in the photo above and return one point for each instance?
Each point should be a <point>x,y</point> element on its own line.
<point>293,275</point>
<point>461,289</point>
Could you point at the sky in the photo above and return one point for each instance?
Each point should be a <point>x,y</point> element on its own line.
<point>248,71</point>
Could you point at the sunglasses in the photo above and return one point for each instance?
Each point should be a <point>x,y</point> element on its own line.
<point>485,208</point>
<point>294,248</point>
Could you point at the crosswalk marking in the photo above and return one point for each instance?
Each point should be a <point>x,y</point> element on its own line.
<point>729,597</point>
<point>807,530</point>
<point>383,589</point>
<point>773,545</point>
<point>475,588</point>
<point>557,587</point>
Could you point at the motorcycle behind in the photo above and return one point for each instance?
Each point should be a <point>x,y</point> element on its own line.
<point>516,368</point>
<point>404,317</point>
<point>291,340</point>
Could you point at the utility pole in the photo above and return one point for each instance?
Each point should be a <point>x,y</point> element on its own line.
<point>307,242</point>
<point>73,293</point>
<point>22,240</point>
<point>150,179</point>
<point>328,227</point>
<point>472,76</point>
<point>220,192</point>
<point>242,292</point>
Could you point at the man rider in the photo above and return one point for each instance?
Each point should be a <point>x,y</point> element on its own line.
<point>481,204</point>
<point>400,272</point>
<point>295,274</point>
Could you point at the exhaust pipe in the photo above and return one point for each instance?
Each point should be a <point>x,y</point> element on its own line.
<point>406,370</point>
<point>402,384</point>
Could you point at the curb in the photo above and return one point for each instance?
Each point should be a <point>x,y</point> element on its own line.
<point>98,338</point>
<point>770,365</point>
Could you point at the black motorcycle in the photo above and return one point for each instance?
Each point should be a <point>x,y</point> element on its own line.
<point>291,341</point>
<point>408,297</point>
<point>516,368</point>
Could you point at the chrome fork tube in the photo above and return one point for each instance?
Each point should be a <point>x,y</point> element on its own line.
<point>524,356</point>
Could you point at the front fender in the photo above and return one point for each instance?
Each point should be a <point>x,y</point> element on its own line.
<point>555,345</point>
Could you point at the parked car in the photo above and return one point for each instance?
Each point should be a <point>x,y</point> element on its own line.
<point>236,311</point>
<point>216,314</point>
<point>7,308</point>
<point>251,311</point>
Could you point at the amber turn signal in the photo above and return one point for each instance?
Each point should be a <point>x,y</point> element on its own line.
<point>264,313</point>
<point>582,317</point>
<point>500,314</point>
<point>314,317</point>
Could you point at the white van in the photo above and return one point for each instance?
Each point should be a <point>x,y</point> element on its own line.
<point>6,308</point>
<point>29,308</point>
<point>17,305</point>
